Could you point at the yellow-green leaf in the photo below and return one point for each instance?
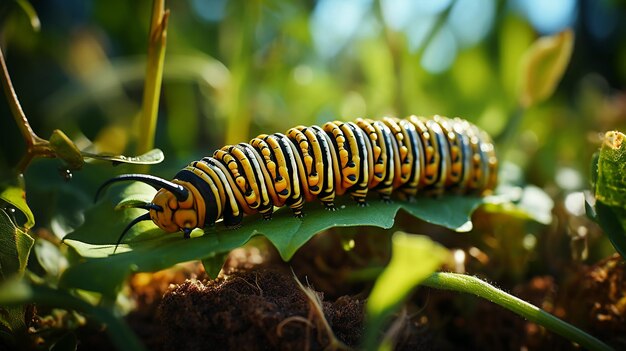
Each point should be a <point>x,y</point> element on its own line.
<point>414,258</point>
<point>611,182</point>
<point>29,10</point>
<point>17,197</point>
<point>543,65</point>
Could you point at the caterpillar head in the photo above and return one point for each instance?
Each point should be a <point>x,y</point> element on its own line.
<point>180,205</point>
<point>171,212</point>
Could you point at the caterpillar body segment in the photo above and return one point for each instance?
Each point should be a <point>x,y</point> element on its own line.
<point>408,156</point>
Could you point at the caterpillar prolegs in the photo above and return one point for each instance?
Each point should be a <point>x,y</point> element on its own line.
<point>406,156</point>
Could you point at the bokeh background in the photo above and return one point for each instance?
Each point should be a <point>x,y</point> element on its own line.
<point>238,68</point>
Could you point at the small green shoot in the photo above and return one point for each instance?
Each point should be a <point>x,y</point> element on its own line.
<point>413,259</point>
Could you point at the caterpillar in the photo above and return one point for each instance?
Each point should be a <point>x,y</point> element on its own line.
<point>433,155</point>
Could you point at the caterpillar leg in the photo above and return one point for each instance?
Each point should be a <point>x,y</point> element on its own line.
<point>328,200</point>
<point>297,207</point>
<point>385,194</point>
<point>359,196</point>
<point>360,201</point>
<point>297,212</point>
<point>408,195</point>
<point>267,213</point>
<point>329,205</point>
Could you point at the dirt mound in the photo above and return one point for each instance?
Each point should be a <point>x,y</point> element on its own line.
<point>254,310</point>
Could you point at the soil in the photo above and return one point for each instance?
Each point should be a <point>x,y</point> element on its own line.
<point>316,302</point>
<point>257,304</point>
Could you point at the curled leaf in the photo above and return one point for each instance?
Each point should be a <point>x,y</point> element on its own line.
<point>66,150</point>
<point>413,259</point>
<point>151,157</point>
<point>17,197</point>
<point>543,65</point>
<point>29,10</point>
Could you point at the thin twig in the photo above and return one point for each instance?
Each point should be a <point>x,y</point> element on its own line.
<point>20,118</point>
<point>35,146</point>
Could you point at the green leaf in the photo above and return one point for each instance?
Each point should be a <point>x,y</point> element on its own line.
<point>610,187</point>
<point>12,317</point>
<point>65,149</point>
<point>612,219</point>
<point>151,157</point>
<point>50,257</point>
<point>413,259</point>
<point>543,65</point>
<point>105,221</point>
<point>213,264</point>
<point>148,249</point>
<point>17,197</point>
<point>29,10</point>
<point>529,202</point>
<point>611,170</point>
<point>15,247</point>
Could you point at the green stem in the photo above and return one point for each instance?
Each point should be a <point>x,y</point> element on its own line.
<point>469,284</point>
<point>441,21</point>
<point>241,32</point>
<point>511,128</point>
<point>154,76</point>
<point>398,56</point>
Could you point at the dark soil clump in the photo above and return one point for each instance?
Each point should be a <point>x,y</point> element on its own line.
<point>596,301</point>
<point>262,309</point>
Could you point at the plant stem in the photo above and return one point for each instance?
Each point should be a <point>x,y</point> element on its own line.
<point>469,284</point>
<point>510,128</point>
<point>154,76</point>
<point>20,118</point>
<point>398,56</point>
<point>434,30</point>
<point>35,146</point>
<point>241,32</point>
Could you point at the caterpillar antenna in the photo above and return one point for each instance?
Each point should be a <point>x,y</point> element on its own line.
<point>178,190</point>
<point>143,217</point>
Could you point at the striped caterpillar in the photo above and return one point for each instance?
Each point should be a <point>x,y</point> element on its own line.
<point>274,170</point>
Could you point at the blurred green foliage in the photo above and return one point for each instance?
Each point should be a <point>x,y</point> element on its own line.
<point>235,69</point>
<point>271,74</point>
